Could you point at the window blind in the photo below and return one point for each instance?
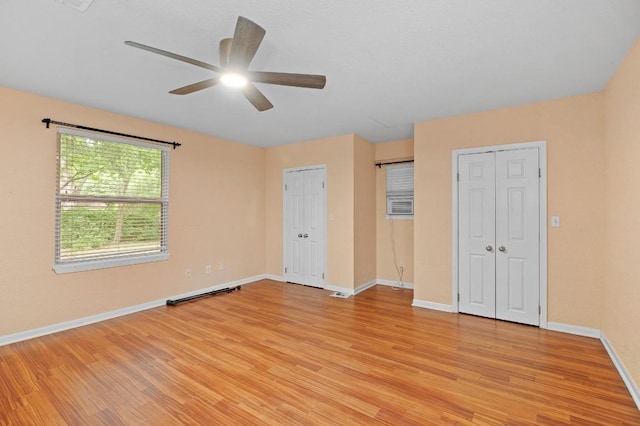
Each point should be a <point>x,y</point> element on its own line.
<point>111,201</point>
<point>400,179</point>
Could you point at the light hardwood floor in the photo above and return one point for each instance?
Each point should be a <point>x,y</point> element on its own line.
<point>284,354</point>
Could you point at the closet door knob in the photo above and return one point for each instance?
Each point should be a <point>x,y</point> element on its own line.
<point>306,235</point>
<point>502,248</point>
<point>489,248</point>
<point>299,235</point>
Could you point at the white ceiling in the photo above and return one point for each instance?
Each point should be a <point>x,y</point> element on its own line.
<point>389,63</point>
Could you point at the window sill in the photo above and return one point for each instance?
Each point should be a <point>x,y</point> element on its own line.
<point>400,216</point>
<point>66,268</point>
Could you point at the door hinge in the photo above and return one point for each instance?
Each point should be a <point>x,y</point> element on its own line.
<point>539,172</point>
<point>539,310</point>
<point>323,275</point>
<point>285,186</point>
<point>285,269</point>
<point>322,184</point>
<point>458,177</point>
<point>458,297</point>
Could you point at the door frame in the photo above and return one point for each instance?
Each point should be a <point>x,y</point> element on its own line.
<point>322,167</point>
<point>542,161</point>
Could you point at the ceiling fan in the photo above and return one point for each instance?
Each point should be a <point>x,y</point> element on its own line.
<point>235,56</point>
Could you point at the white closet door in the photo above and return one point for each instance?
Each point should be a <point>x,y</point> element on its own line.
<point>518,236</point>
<point>499,235</point>
<point>304,225</point>
<point>476,261</point>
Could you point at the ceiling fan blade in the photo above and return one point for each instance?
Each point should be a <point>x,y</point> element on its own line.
<point>225,51</point>
<point>256,97</point>
<point>286,79</point>
<point>172,55</point>
<point>246,39</point>
<point>196,86</point>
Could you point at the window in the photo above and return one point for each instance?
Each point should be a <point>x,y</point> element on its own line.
<point>400,191</point>
<point>111,203</point>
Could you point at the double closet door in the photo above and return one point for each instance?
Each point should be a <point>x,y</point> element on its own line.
<point>304,226</point>
<point>499,235</point>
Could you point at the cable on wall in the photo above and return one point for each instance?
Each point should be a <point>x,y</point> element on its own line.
<point>48,122</point>
<point>399,268</point>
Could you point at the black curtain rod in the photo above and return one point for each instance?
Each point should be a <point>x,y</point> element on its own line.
<point>379,165</point>
<point>48,121</point>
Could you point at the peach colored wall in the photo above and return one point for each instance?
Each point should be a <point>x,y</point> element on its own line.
<point>573,129</point>
<point>621,310</point>
<point>400,230</point>
<point>337,154</point>
<point>216,215</point>
<point>364,225</point>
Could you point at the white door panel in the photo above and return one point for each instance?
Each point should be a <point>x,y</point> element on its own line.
<point>517,231</point>
<point>294,212</point>
<point>314,226</point>
<point>477,234</point>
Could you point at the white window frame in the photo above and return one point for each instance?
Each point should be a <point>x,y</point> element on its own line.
<point>87,265</point>
<point>399,184</point>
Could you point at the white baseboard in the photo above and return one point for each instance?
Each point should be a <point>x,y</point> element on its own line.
<point>347,290</point>
<point>350,291</point>
<point>624,373</point>
<point>62,326</point>
<point>278,278</point>
<point>574,329</point>
<point>67,325</point>
<point>617,362</point>
<point>432,305</point>
<point>570,329</point>
<point>554,326</point>
<point>365,286</point>
<point>392,283</point>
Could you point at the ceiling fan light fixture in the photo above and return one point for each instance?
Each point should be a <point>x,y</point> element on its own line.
<point>235,56</point>
<point>233,79</point>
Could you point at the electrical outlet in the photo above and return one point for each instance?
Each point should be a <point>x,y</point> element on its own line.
<point>221,266</point>
<point>187,272</point>
<point>207,269</point>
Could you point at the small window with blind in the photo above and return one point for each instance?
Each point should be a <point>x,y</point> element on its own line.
<point>400,191</point>
<point>111,204</point>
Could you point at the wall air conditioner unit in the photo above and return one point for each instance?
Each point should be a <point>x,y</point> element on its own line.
<point>399,205</point>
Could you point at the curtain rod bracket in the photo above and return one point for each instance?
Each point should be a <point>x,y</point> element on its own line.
<point>48,122</point>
